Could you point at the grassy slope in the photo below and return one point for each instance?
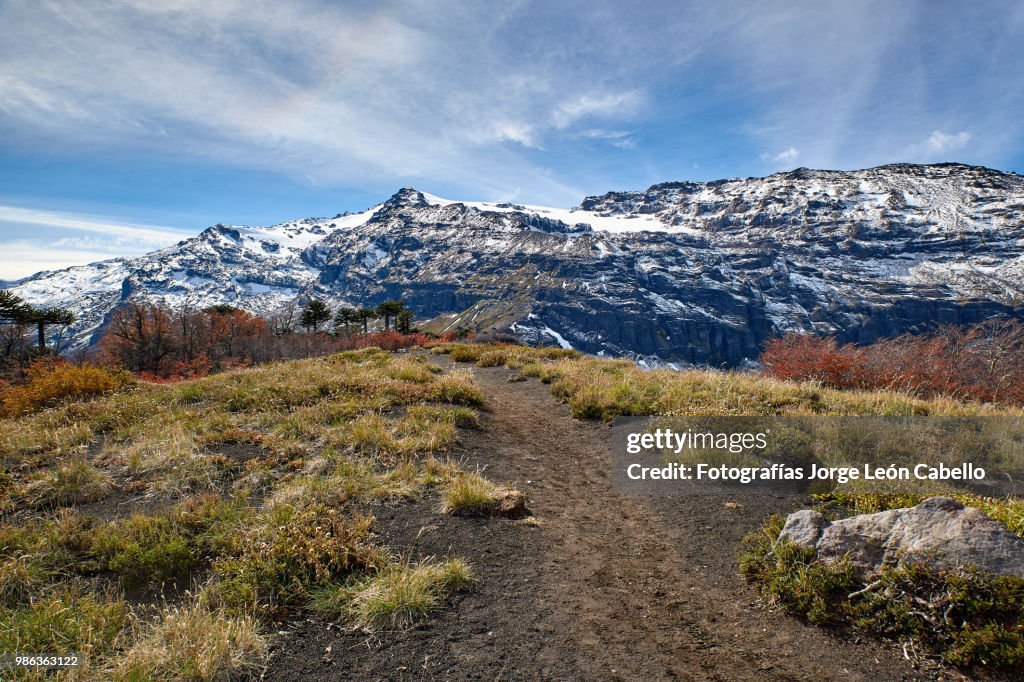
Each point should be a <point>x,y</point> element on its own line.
<point>249,488</point>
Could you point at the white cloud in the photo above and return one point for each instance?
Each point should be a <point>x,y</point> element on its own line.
<point>73,221</point>
<point>23,258</point>
<point>614,105</point>
<point>940,142</point>
<point>521,133</point>
<point>787,157</point>
<point>337,92</point>
<point>95,239</point>
<point>465,95</point>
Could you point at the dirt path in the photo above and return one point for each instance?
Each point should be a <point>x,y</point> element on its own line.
<point>607,587</point>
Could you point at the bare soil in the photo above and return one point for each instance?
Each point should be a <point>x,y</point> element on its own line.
<point>607,586</point>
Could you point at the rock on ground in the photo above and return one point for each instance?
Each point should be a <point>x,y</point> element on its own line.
<point>940,531</point>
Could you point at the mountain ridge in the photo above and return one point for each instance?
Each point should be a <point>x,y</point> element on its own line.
<point>688,272</point>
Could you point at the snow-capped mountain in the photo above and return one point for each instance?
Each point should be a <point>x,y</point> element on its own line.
<point>682,272</point>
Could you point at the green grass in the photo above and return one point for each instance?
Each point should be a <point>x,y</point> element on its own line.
<point>285,552</point>
<point>73,482</point>
<point>470,494</point>
<point>250,487</point>
<point>68,620</point>
<point>396,596</point>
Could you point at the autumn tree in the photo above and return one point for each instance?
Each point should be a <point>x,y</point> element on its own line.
<point>140,336</point>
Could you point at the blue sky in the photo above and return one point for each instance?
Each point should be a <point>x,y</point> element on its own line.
<point>126,125</point>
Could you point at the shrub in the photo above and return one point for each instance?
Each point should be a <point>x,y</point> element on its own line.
<point>979,362</point>
<point>50,383</point>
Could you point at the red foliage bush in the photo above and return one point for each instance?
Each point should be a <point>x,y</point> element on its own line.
<point>979,362</point>
<point>162,346</point>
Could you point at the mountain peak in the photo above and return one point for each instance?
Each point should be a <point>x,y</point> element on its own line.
<point>407,197</point>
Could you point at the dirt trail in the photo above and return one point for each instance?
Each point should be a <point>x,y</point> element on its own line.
<point>607,587</point>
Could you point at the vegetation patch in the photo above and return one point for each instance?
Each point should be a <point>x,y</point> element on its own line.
<point>195,642</point>
<point>50,382</point>
<point>280,556</point>
<point>595,388</point>
<point>967,619</point>
<point>470,494</point>
<point>73,482</point>
<point>395,596</point>
<point>68,620</point>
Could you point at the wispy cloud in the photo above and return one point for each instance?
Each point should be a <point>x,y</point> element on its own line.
<point>940,142</point>
<point>72,221</point>
<point>493,102</point>
<point>94,238</point>
<point>23,258</point>
<point>623,139</point>
<point>335,92</point>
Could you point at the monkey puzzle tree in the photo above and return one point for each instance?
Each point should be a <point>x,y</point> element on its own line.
<point>48,316</point>
<point>314,314</point>
<point>389,309</point>
<point>365,315</point>
<point>344,318</point>
<point>403,321</point>
<point>14,310</point>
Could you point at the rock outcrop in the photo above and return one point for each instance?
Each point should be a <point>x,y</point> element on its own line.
<point>940,531</point>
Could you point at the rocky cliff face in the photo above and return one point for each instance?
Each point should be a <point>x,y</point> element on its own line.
<point>684,272</point>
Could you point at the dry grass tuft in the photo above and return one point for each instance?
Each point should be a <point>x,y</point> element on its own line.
<point>74,482</point>
<point>397,595</point>
<point>470,494</point>
<point>197,643</point>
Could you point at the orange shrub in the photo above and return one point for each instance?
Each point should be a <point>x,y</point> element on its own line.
<point>49,383</point>
<point>984,362</point>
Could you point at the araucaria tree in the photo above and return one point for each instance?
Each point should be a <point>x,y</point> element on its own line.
<point>389,309</point>
<point>18,317</point>
<point>344,319</point>
<point>48,316</point>
<point>314,314</point>
<point>403,321</point>
<point>364,315</point>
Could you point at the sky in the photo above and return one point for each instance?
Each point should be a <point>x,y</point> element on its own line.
<point>128,125</point>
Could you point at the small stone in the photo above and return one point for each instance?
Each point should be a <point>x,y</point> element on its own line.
<point>512,504</point>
